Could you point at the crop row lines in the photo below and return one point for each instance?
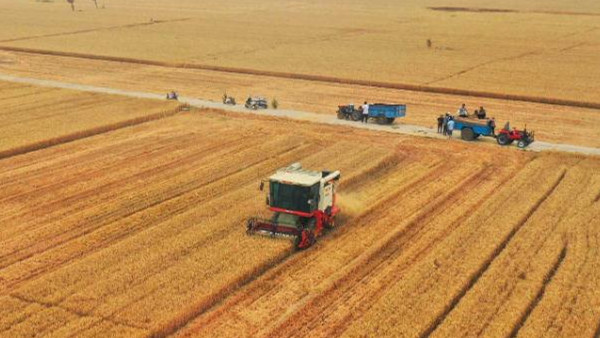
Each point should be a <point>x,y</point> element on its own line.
<point>473,280</point>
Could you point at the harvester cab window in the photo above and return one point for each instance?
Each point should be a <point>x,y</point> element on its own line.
<point>294,197</point>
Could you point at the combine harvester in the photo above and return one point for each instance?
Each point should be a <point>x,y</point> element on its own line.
<point>303,203</point>
<point>382,113</point>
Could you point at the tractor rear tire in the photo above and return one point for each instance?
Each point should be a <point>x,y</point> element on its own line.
<point>503,140</point>
<point>341,115</point>
<point>467,134</point>
<point>356,116</point>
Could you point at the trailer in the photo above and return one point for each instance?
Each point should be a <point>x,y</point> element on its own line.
<point>471,129</point>
<point>383,113</point>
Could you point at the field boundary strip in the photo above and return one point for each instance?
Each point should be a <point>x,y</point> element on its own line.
<point>312,77</point>
<point>557,264</point>
<point>87,133</point>
<point>488,262</point>
<point>89,30</point>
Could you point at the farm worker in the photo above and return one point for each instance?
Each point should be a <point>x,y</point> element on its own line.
<point>462,111</point>
<point>482,113</point>
<point>440,121</point>
<point>450,127</point>
<point>445,124</point>
<point>365,112</point>
<point>492,125</point>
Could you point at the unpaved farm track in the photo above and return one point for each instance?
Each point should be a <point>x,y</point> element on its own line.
<point>310,77</point>
<point>297,115</point>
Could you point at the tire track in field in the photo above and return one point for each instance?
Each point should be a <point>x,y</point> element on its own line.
<point>356,280</point>
<point>179,210</point>
<point>220,234</point>
<point>82,31</point>
<point>175,210</point>
<point>547,280</point>
<point>80,173</point>
<point>76,313</point>
<point>138,176</point>
<point>87,133</point>
<point>252,292</point>
<point>436,323</point>
<point>317,309</point>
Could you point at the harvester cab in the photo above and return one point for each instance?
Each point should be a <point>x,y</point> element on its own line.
<point>303,203</point>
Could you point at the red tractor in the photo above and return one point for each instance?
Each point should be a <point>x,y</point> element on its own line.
<point>303,203</point>
<point>507,136</point>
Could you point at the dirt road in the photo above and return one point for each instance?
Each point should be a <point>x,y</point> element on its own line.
<point>292,114</point>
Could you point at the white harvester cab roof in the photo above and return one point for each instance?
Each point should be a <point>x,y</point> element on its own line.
<point>295,175</point>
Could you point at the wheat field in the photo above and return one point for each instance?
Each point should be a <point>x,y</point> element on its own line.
<point>128,233</point>
<point>537,48</point>
<point>125,217</point>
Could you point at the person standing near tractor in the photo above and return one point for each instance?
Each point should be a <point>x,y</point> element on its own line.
<point>450,127</point>
<point>365,112</point>
<point>445,124</point>
<point>440,121</point>
<point>492,125</point>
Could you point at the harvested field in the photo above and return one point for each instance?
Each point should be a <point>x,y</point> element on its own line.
<point>524,49</point>
<point>37,117</point>
<point>125,233</point>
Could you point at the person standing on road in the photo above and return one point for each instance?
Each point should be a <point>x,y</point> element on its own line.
<point>440,121</point>
<point>450,127</point>
<point>445,124</point>
<point>492,124</point>
<point>365,112</point>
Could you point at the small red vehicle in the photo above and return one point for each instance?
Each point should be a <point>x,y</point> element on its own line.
<point>507,136</point>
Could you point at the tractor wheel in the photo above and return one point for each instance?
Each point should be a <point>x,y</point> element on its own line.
<point>503,139</point>
<point>522,144</point>
<point>356,116</point>
<point>382,120</point>
<point>330,225</point>
<point>390,120</point>
<point>467,134</point>
<point>341,115</point>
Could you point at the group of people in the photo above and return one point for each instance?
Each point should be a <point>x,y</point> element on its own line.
<point>445,124</point>
<point>478,113</point>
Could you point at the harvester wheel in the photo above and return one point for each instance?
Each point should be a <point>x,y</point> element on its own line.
<point>341,115</point>
<point>305,240</point>
<point>330,225</point>
<point>503,139</point>
<point>250,226</point>
<point>467,134</point>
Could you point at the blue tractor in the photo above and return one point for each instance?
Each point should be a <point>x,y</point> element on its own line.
<point>382,113</point>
